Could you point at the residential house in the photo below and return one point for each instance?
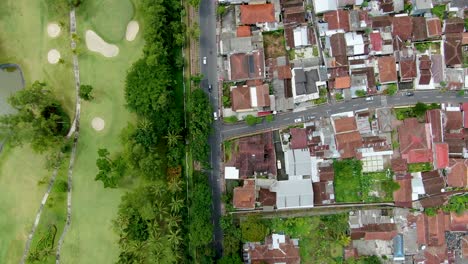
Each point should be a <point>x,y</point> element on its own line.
<point>419,32</point>
<point>348,138</point>
<point>321,6</point>
<point>433,182</point>
<point>338,49</point>
<point>415,141</point>
<point>387,69</point>
<point>277,248</point>
<point>402,27</point>
<point>441,155</point>
<point>455,78</point>
<point>254,98</point>
<point>454,25</point>
<point>296,193</point>
<point>306,83</point>
<point>408,70</point>
<point>355,44</point>
<point>257,14</point>
<point>338,21</point>
<point>244,197</point>
<point>457,173</point>
<point>453,50</point>
<point>245,66</point>
<point>424,76</point>
<point>433,27</point>
<point>358,20</point>
<point>421,6</point>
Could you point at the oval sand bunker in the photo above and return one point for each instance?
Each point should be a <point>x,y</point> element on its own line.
<point>98,123</point>
<point>95,43</point>
<point>53,30</point>
<point>132,30</point>
<point>53,56</point>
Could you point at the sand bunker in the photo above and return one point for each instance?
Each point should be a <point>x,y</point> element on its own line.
<point>132,30</point>
<point>53,56</point>
<point>97,44</point>
<point>98,123</point>
<point>53,29</point>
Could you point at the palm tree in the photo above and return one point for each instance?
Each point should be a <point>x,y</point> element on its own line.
<point>172,138</point>
<point>145,124</point>
<point>174,185</point>
<point>176,204</point>
<point>173,221</point>
<point>174,237</point>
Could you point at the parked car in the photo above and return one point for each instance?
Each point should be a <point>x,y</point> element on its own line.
<point>204,60</point>
<point>215,116</point>
<point>370,98</point>
<point>310,118</point>
<point>298,120</point>
<point>409,93</point>
<point>209,88</point>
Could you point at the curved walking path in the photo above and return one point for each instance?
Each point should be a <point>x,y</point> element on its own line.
<point>73,130</point>
<point>76,127</point>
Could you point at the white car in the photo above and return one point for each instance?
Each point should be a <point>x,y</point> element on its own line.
<point>204,60</point>
<point>298,120</point>
<point>369,98</point>
<point>215,116</point>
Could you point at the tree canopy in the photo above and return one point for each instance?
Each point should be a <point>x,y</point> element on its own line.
<point>39,119</point>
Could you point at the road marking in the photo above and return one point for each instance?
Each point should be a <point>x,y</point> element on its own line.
<point>439,96</point>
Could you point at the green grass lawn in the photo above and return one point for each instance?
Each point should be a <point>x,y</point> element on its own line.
<point>20,172</point>
<point>108,18</point>
<point>24,41</point>
<point>91,238</point>
<point>347,181</point>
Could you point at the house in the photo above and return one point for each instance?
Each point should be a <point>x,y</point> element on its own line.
<point>408,69</point>
<point>277,248</point>
<point>298,163</point>
<point>434,118</point>
<point>437,68</point>
<point>387,69</point>
<point>454,25</point>
<point>419,32</point>
<point>457,173</point>
<point>453,50</point>
<point>348,138</point>
<point>415,141</point>
<point>425,76</point>
<point>433,182</point>
<point>358,20</point>
<point>433,27</point>
<point>358,83</point>
<point>454,78</point>
<point>337,20</point>
<point>323,192</point>
<point>342,82</point>
<point>256,14</point>
<point>402,196</point>
<point>338,50</point>
<point>386,231</point>
<point>297,193</point>
<point>245,66</point>
<point>294,14</point>
<point>402,27</point>
<point>421,6</point>
<point>354,44</point>
<point>399,166</point>
<point>441,159</point>
<point>321,6</point>
<point>244,197</point>
<point>301,36</point>
<point>243,31</point>
<point>246,98</point>
<point>305,84</point>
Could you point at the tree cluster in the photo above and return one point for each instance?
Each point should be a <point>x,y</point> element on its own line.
<point>200,124</point>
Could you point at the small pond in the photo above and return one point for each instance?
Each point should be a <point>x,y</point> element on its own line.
<point>11,81</point>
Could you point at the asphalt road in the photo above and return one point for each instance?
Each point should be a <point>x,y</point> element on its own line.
<point>285,119</point>
<point>208,49</point>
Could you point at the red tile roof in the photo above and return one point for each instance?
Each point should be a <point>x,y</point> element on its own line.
<point>454,120</point>
<point>247,66</point>
<point>433,117</point>
<point>295,14</point>
<point>338,48</point>
<point>338,19</point>
<point>298,138</point>
<point>342,82</point>
<point>402,27</point>
<point>287,253</point>
<point>326,173</point>
<point>263,95</point>
<point>244,197</point>
<point>421,226</point>
<point>240,98</point>
<point>407,69</point>
<point>442,157</point>
<point>381,21</point>
<point>347,143</point>
<point>402,196</point>
<point>465,115</point>
<point>434,28</point>
<point>436,230</point>
<point>375,232</point>
<point>252,14</point>
<point>454,25</point>
<point>376,41</point>
<point>244,31</point>
<point>284,72</point>
<point>321,195</point>
<point>399,165</point>
<point>458,222</point>
<point>266,198</point>
<point>457,175</point>
<point>452,49</point>
<point>433,182</point>
<point>387,69</point>
<point>419,155</point>
<point>419,29</point>
<point>465,38</point>
<point>345,124</point>
<point>413,135</point>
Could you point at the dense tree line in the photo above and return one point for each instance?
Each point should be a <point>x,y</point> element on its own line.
<point>200,124</point>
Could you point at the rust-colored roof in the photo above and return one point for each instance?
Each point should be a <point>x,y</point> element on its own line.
<point>419,155</point>
<point>454,120</point>
<point>387,69</point>
<point>345,124</point>
<point>433,117</point>
<point>465,38</point>
<point>402,27</point>
<point>321,194</point>
<point>244,197</point>
<point>433,182</point>
<point>419,30</point>
<point>402,196</point>
<point>459,222</point>
<point>408,69</point>
<point>375,232</point>
<point>399,165</point>
<point>376,41</point>
<point>436,230</point>
<point>284,72</point>
<point>442,155</point>
<point>434,28</point>
<point>412,135</point>
<point>266,198</point>
<point>294,14</point>
<point>252,14</point>
<point>326,173</point>
<point>338,19</point>
<point>433,201</point>
<point>425,62</point>
<point>338,47</point>
<point>452,49</point>
<point>288,252</point>
<point>240,98</point>
<point>454,25</point>
<point>247,66</point>
<point>421,225</point>
<point>342,82</point>
<point>263,95</point>
<point>298,138</point>
<point>381,21</point>
<point>457,175</point>
<point>347,143</point>
<point>244,31</point>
